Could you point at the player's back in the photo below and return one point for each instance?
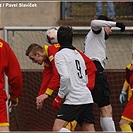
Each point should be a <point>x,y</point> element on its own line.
<point>77,92</point>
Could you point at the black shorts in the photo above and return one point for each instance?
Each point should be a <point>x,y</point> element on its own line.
<point>80,113</point>
<point>101,91</point>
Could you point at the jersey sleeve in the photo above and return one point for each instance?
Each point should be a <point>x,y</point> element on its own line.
<point>12,70</point>
<point>91,70</point>
<point>64,75</point>
<point>98,24</point>
<point>46,77</point>
<point>50,80</point>
<point>54,83</point>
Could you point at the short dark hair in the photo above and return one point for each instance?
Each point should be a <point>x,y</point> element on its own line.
<point>65,35</point>
<point>102,17</point>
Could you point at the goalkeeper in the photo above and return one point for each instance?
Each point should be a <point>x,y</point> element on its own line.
<point>50,81</point>
<point>127,115</point>
<point>95,49</point>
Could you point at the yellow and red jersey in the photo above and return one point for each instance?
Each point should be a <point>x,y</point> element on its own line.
<point>50,81</point>
<point>9,65</point>
<point>128,111</point>
<point>129,80</point>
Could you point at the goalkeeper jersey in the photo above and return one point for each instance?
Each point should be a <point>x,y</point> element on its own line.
<point>95,45</point>
<point>9,65</point>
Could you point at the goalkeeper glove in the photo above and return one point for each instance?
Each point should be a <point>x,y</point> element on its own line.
<point>122,97</point>
<point>120,25</point>
<point>56,103</point>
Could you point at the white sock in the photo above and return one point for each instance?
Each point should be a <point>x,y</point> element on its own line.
<point>101,123</point>
<point>107,124</point>
<point>64,130</point>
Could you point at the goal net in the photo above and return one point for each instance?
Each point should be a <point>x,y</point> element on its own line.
<point>29,118</point>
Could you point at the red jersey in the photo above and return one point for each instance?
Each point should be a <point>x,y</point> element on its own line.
<point>10,66</point>
<point>128,111</point>
<point>50,80</point>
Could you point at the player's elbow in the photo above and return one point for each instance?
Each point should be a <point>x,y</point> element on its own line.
<point>93,23</point>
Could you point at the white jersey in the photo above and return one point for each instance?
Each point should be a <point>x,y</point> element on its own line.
<point>95,46</point>
<point>73,79</point>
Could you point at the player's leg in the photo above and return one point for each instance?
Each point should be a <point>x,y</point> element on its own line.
<point>65,115</point>
<point>101,96</point>
<point>86,118</point>
<point>4,129</point>
<point>125,125</point>
<point>59,125</point>
<point>4,124</point>
<point>88,127</point>
<point>106,120</point>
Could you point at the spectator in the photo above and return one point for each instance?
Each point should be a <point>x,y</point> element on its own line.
<point>10,67</point>
<point>110,9</point>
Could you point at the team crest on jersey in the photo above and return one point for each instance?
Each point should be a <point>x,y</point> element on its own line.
<point>51,58</point>
<point>1,44</point>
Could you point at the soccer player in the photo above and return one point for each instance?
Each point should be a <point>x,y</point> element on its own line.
<point>78,101</point>
<point>10,67</point>
<point>127,115</point>
<point>50,81</point>
<point>95,49</point>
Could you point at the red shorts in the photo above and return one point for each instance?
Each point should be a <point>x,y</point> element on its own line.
<point>3,113</point>
<point>128,111</point>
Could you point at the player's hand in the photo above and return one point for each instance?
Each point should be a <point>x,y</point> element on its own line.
<point>120,25</point>
<point>56,103</point>
<point>122,97</point>
<point>40,99</point>
<point>12,102</point>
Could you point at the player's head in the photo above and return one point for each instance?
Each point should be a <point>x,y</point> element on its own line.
<point>36,53</point>
<point>51,35</point>
<point>102,17</point>
<point>65,35</point>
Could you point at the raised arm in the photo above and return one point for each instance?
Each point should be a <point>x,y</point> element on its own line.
<point>98,24</point>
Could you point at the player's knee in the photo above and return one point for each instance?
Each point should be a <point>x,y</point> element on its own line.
<point>106,111</point>
<point>4,129</point>
<point>123,122</point>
